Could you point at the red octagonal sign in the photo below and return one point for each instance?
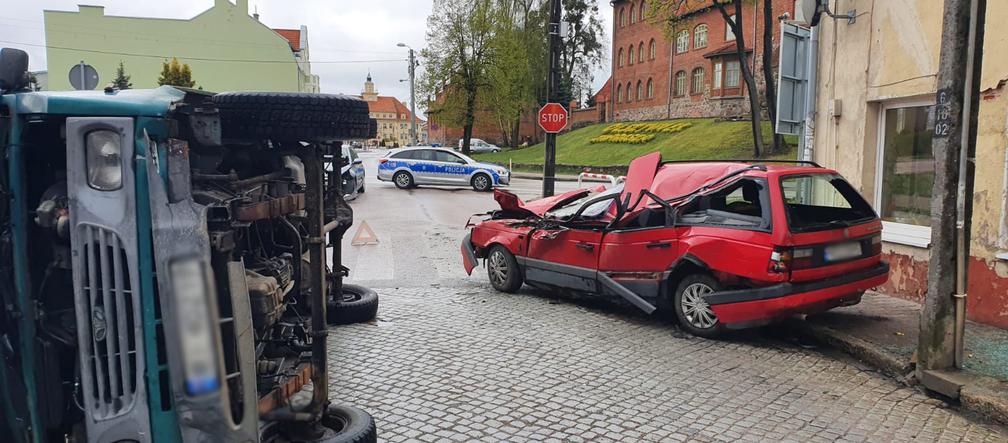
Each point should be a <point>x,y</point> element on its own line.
<point>553,118</point>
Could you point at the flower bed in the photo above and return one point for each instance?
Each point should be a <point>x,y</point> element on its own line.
<point>633,139</point>
<point>646,128</point>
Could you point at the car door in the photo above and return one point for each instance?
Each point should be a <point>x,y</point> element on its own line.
<point>566,258</point>
<point>452,169</point>
<point>422,167</point>
<point>637,255</point>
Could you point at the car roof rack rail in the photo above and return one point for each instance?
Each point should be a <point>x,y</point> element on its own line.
<point>746,160</point>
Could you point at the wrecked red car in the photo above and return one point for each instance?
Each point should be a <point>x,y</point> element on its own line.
<point>722,244</point>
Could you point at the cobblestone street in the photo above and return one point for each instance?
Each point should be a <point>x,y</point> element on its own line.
<point>463,363</point>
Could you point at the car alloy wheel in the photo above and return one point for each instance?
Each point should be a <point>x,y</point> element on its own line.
<point>403,180</point>
<point>498,267</point>
<point>696,310</point>
<point>481,182</point>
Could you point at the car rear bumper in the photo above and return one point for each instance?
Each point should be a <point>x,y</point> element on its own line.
<point>753,307</point>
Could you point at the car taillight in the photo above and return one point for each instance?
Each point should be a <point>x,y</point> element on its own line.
<point>382,161</point>
<point>876,244</point>
<point>784,259</point>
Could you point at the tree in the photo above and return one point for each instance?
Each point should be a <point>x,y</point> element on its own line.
<point>582,50</point>
<point>459,34</point>
<point>121,80</point>
<point>176,74</point>
<point>769,80</point>
<point>671,13</point>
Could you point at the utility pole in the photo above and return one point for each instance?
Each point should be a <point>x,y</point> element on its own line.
<point>954,121</point>
<point>552,84</point>
<point>412,93</point>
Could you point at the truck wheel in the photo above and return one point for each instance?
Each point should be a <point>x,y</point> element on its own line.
<point>482,182</point>
<point>293,116</point>
<point>359,304</point>
<point>403,180</point>
<point>692,311</point>
<point>349,424</point>
<point>503,270</point>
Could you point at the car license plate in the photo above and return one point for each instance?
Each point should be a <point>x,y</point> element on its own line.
<point>842,251</point>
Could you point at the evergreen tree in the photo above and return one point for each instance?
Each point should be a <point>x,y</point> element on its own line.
<point>176,74</point>
<point>121,80</point>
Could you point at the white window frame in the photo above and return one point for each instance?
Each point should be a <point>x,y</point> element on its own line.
<point>892,232</point>
<point>697,35</point>
<point>737,77</point>
<point>717,75</point>
<point>682,41</point>
<point>729,35</point>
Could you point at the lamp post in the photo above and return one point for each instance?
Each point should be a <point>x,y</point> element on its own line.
<point>412,92</point>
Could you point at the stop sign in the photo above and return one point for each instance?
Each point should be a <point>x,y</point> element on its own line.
<point>553,118</point>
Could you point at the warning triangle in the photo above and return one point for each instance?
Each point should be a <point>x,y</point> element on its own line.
<point>364,236</point>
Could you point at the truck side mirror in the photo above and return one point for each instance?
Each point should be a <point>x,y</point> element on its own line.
<point>13,69</point>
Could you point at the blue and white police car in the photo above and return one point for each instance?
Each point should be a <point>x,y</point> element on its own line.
<point>412,166</point>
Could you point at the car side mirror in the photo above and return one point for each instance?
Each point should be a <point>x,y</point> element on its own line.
<point>13,69</point>
<point>358,162</point>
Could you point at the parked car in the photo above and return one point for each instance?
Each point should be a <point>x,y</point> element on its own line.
<point>723,245</point>
<point>409,167</point>
<point>352,172</point>
<point>477,146</point>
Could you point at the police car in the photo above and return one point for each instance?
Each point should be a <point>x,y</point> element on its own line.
<point>409,167</point>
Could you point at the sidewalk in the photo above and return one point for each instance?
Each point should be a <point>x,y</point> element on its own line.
<point>539,176</point>
<point>883,331</point>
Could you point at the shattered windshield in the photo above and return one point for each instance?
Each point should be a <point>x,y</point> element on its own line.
<point>592,211</point>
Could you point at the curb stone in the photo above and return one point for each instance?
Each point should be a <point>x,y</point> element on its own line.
<point>985,396</point>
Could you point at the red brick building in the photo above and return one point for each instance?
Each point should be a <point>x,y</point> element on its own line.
<point>696,74</point>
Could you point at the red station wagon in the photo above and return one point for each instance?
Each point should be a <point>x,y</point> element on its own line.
<point>722,244</point>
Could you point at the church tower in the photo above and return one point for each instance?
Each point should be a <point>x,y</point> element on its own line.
<point>369,93</point>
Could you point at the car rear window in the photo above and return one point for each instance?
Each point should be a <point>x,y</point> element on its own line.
<point>816,202</point>
<point>403,155</point>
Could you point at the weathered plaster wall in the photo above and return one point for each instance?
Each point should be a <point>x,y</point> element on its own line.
<point>889,54</point>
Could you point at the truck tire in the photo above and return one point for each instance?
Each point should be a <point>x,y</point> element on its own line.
<point>359,304</point>
<point>293,116</point>
<point>350,425</point>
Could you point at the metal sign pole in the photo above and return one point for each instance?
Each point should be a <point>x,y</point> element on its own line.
<point>552,83</point>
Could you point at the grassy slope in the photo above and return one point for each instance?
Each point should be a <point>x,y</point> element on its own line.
<point>706,139</point>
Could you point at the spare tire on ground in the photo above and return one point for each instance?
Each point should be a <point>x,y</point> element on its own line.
<point>358,304</point>
<point>349,424</point>
<point>293,116</point>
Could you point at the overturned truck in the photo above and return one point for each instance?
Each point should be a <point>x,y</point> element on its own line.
<point>164,263</point>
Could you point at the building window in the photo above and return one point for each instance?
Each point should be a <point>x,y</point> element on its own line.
<point>698,80</point>
<point>630,54</point>
<point>729,35</point>
<point>717,76</point>
<point>619,93</point>
<point>732,71</point>
<point>640,52</point>
<point>640,91</point>
<point>682,41</point>
<point>905,173</point>
<point>650,88</point>
<point>680,83</point>
<point>652,51</point>
<point>700,36</point>
<point>622,18</point>
<point>643,8</point>
<point>629,92</point>
<point>633,17</point>
<point>621,59</point>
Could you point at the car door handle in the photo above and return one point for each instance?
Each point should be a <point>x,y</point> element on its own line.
<point>659,244</point>
<point>585,246</point>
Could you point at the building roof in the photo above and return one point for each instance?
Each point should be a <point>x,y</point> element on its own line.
<point>391,105</point>
<point>727,49</point>
<point>603,93</point>
<point>293,37</point>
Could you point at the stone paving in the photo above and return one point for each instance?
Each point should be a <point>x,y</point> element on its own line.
<point>463,363</point>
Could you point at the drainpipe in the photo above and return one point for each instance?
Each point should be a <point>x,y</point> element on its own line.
<point>963,214</point>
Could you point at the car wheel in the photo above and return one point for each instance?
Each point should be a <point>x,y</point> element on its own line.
<point>348,425</point>
<point>503,270</point>
<point>692,311</point>
<point>495,150</point>
<point>293,116</point>
<point>482,182</point>
<point>403,180</point>
<point>361,188</point>
<point>358,305</point>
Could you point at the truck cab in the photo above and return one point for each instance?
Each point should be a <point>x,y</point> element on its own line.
<point>163,273</point>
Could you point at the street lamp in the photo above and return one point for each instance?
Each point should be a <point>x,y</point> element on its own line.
<point>412,92</point>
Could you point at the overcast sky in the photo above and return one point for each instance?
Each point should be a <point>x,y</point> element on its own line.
<point>338,30</point>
